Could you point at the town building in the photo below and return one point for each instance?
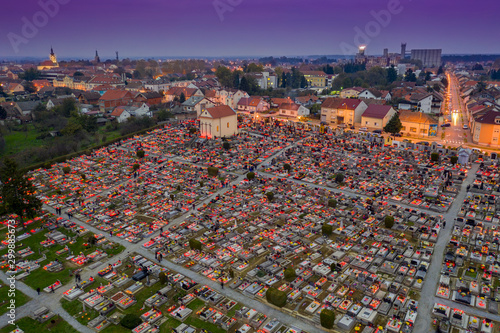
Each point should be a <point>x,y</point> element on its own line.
<point>417,124</point>
<point>377,116</point>
<point>218,121</point>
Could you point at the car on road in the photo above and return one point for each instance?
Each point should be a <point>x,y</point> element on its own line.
<point>465,127</point>
<point>378,131</point>
<point>363,129</point>
<point>446,125</point>
<point>425,143</point>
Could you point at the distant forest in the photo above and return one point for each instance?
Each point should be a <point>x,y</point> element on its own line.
<point>470,57</point>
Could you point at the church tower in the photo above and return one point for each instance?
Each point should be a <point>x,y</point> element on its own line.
<point>53,57</point>
<point>96,58</point>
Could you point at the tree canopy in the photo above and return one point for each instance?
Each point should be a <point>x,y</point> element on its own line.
<point>18,193</point>
<point>394,125</point>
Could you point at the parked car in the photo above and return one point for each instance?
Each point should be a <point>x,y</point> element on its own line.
<point>363,129</point>
<point>465,127</point>
<point>378,131</point>
<point>398,135</point>
<point>446,125</point>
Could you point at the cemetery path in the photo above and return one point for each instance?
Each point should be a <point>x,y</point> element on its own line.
<point>350,193</point>
<point>427,296</point>
<point>239,297</point>
<point>50,301</point>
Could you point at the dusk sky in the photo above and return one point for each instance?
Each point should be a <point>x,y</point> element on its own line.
<point>152,28</point>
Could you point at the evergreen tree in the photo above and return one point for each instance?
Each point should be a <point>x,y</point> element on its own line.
<point>394,125</point>
<point>182,99</point>
<point>244,85</point>
<point>392,74</point>
<point>18,193</point>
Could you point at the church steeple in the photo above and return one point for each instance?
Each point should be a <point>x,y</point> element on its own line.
<point>52,56</point>
<point>96,58</point>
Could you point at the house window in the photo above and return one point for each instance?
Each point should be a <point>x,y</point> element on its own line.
<point>366,123</point>
<point>375,124</point>
<point>403,128</point>
<point>423,131</point>
<point>413,129</point>
<point>228,125</point>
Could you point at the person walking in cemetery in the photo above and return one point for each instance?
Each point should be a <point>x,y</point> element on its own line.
<point>38,290</point>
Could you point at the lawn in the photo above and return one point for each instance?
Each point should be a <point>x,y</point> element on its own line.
<point>5,299</point>
<point>17,141</point>
<point>75,309</point>
<point>28,325</point>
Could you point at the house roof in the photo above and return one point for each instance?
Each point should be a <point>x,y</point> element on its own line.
<point>314,73</point>
<point>250,101</point>
<point>416,117</point>
<point>332,103</point>
<point>27,106</point>
<point>377,111</point>
<point>489,117</point>
<point>374,92</point>
<point>149,95</point>
<point>220,111</point>
<point>193,100</point>
<point>350,103</point>
<point>177,91</point>
<point>111,95</point>
<point>117,112</point>
<point>289,106</point>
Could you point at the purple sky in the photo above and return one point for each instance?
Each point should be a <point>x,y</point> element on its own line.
<point>252,27</point>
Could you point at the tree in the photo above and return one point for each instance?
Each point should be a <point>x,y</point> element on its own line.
<point>394,125</point>
<point>18,193</point>
<point>250,175</point>
<point>182,98</point>
<point>30,74</point>
<point>29,87</point>
<point>389,222</point>
<point>440,70</point>
<point>327,229</point>
<point>327,318</point>
<point>276,297</point>
<point>135,167</point>
<point>226,145</point>
<point>163,277</point>
<point>392,74</point>
<point>410,76</point>
<point>454,159</point>
<point>163,115</point>
<point>213,171</point>
<point>78,74</point>
<point>270,196</point>
<point>2,93</point>
<point>3,113</point>
<point>225,76</point>
<point>287,167</point>
<point>140,153</point>
<point>436,87</point>
<point>244,85</point>
<point>290,274</point>
<point>332,203</point>
<point>195,244</point>
<point>130,321</point>
<point>66,170</point>
<point>339,178</point>
<point>435,157</point>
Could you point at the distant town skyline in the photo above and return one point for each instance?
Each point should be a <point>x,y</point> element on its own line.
<point>232,28</point>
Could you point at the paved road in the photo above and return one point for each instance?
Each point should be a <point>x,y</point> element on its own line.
<point>427,295</point>
<point>455,134</point>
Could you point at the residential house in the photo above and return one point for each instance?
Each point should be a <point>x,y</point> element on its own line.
<point>417,123</point>
<point>276,101</point>
<point>375,94</point>
<point>417,102</point>
<point>252,104</point>
<point>174,92</point>
<point>342,111</point>
<point>120,114</point>
<point>377,116</point>
<point>14,87</point>
<point>266,80</point>
<point>218,121</point>
<point>293,110</point>
<point>351,92</point>
<point>88,97</point>
<point>53,102</point>
<point>197,103</point>
<point>307,100</point>
<point>316,79</point>
<point>150,98</point>
<point>158,85</point>
<point>486,128</point>
<point>113,98</point>
<point>231,97</point>
<point>140,110</point>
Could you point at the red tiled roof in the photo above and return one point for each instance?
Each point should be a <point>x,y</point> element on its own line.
<point>112,95</point>
<point>220,111</point>
<point>377,111</point>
